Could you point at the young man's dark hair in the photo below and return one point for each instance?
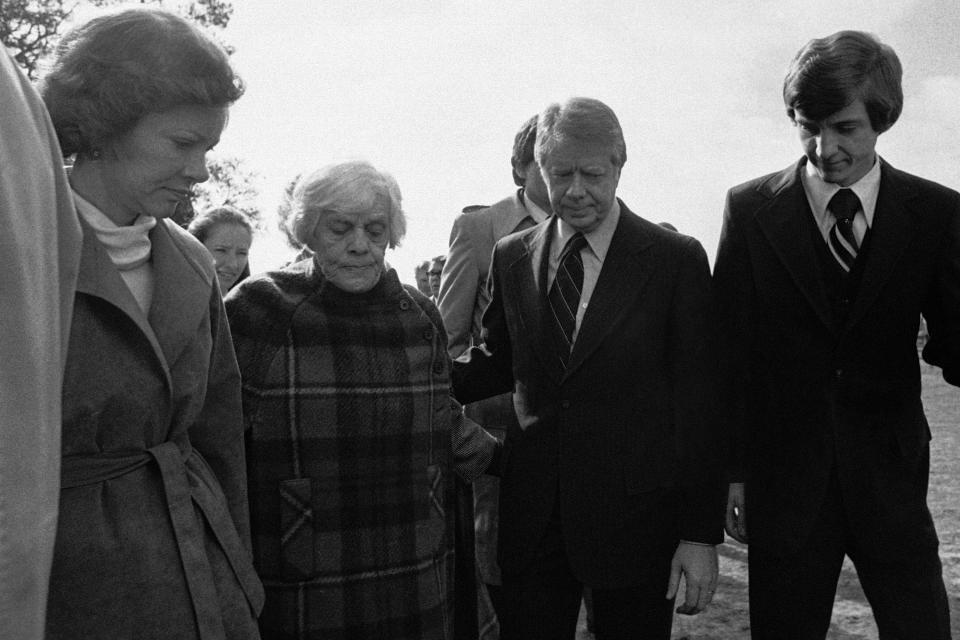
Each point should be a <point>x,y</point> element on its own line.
<point>830,73</point>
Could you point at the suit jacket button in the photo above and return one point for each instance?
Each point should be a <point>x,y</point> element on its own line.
<point>839,373</point>
<point>565,404</point>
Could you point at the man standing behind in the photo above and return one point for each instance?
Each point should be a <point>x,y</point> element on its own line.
<point>464,296</point>
<point>822,273</point>
<point>433,276</point>
<point>600,322</point>
<point>422,274</point>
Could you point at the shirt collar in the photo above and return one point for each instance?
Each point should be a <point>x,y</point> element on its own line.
<point>535,212</point>
<point>598,240</point>
<point>819,192</point>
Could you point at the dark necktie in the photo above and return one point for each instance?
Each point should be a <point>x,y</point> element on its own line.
<point>565,292</point>
<point>843,242</point>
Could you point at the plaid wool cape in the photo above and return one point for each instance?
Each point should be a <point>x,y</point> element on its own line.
<point>352,436</point>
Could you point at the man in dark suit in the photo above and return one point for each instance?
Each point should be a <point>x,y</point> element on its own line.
<point>600,322</point>
<point>822,274</point>
<point>463,297</point>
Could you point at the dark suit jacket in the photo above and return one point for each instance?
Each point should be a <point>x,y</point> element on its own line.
<point>622,441</point>
<point>808,391</point>
<point>463,297</point>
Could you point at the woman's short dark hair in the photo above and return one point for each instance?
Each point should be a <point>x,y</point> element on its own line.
<point>830,73</point>
<point>111,71</point>
<point>204,224</point>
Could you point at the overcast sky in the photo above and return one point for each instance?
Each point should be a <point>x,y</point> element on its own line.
<point>433,92</point>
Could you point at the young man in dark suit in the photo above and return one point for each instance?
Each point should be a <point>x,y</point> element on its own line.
<point>600,322</point>
<point>822,274</point>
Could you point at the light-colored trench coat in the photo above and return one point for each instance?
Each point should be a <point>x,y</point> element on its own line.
<point>153,535</point>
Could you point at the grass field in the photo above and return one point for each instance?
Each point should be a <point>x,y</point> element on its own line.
<point>728,618</point>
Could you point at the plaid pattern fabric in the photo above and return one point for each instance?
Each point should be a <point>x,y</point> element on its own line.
<point>350,456</point>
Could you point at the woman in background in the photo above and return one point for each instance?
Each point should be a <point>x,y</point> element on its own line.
<point>153,533</point>
<point>227,235</point>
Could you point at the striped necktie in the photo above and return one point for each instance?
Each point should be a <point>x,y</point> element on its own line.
<point>564,294</point>
<point>843,242</point>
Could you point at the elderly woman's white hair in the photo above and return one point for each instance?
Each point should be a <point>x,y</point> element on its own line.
<point>339,186</point>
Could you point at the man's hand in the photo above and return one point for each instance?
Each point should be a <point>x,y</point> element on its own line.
<point>736,525</point>
<point>698,563</point>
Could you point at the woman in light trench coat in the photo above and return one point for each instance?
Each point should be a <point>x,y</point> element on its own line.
<point>153,532</point>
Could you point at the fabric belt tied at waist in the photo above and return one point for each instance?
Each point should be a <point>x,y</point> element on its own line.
<point>172,457</point>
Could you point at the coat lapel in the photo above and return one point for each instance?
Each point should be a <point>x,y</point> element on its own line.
<point>782,220</point>
<point>893,229</point>
<point>626,270</point>
<point>178,280</point>
<point>100,278</point>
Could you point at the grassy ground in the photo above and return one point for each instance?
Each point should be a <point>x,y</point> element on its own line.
<point>728,618</point>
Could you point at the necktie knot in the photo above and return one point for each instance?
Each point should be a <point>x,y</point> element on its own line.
<point>844,205</point>
<point>576,243</point>
<point>842,239</point>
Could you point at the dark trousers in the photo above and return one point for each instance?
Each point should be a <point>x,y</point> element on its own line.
<point>543,601</point>
<point>791,598</point>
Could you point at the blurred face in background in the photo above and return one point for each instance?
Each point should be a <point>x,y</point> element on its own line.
<point>436,269</point>
<point>229,244</point>
<point>534,187</point>
<point>423,278</point>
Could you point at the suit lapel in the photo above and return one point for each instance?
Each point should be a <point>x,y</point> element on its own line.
<point>529,275</point>
<point>893,229</point>
<point>100,278</point>
<point>508,218</point>
<point>180,294</point>
<point>626,269</point>
<point>783,220</point>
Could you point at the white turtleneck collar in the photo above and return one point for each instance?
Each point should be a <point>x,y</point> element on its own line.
<point>128,248</point>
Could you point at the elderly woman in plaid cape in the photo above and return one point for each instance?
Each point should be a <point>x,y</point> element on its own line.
<point>353,437</point>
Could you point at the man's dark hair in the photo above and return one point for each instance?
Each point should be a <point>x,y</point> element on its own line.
<point>830,73</point>
<point>523,144</point>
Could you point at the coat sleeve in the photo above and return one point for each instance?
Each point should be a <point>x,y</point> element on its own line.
<point>40,249</point>
<point>733,290</point>
<point>475,451</point>
<point>218,434</point>
<point>693,369</point>
<point>459,285</point>
<point>942,310</point>
<point>487,370</point>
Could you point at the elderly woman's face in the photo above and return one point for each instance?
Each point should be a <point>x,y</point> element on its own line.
<point>151,169</point>
<point>350,245</point>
